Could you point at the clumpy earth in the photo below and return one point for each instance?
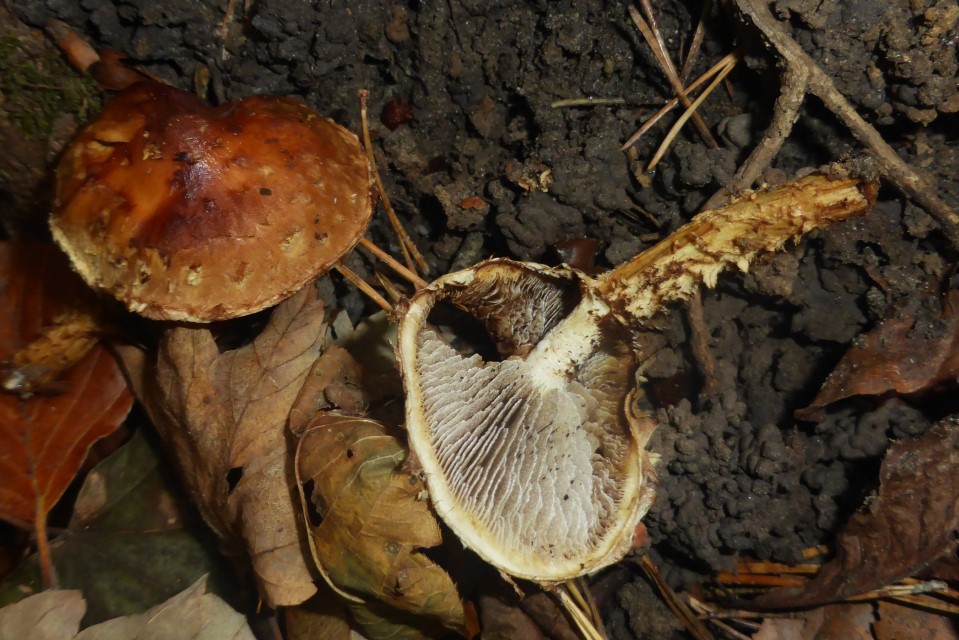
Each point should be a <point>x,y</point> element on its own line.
<point>480,160</point>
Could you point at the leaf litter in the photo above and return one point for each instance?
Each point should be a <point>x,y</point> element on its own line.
<point>44,439</point>
<point>193,614</point>
<point>369,517</point>
<point>133,540</point>
<point>224,418</point>
<point>914,350</point>
<point>911,523</point>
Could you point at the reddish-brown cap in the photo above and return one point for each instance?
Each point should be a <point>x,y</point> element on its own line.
<point>189,212</point>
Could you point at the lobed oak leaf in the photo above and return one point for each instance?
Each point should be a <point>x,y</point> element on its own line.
<point>45,439</point>
<point>356,375</point>
<point>370,521</point>
<point>224,417</point>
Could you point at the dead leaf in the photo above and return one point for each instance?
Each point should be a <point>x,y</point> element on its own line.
<point>44,439</point>
<point>334,382</point>
<point>504,621</point>
<point>51,615</point>
<point>370,519</point>
<point>914,350</point>
<point>910,524</point>
<point>356,375</point>
<point>128,513</point>
<point>898,622</point>
<point>193,614</point>
<point>322,617</point>
<point>224,416</point>
<point>546,612</point>
<point>380,621</point>
<point>833,622</point>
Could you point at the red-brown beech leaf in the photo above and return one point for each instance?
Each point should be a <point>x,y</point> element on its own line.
<point>224,416</point>
<point>911,523</point>
<point>45,439</point>
<point>912,351</point>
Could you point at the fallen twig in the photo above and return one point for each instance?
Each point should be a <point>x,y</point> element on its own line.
<point>666,108</point>
<point>696,43</point>
<point>795,81</point>
<point>693,624</point>
<point>651,33</point>
<point>893,168</point>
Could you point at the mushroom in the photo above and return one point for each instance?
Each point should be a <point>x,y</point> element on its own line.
<point>533,448</point>
<point>189,212</point>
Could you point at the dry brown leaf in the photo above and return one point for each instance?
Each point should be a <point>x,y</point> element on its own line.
<point>356,375</point>
<point>898,622</point>
<point>224,416</point>
<point>44,439</point>
<point>833,622</point>
<point>51,615</point>
<point>536,615</point>
<point>910,524</point>
<point>322,617</point>
<point>369,521</point>
<point>504,621</point>
<point>910,352</point>
<point>334,383</point>
<point>192,614</point>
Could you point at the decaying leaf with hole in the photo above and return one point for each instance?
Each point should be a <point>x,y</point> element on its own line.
<point>224,416</point>
<point>370,521</point>
<point>533,451</point>
<point>912,523</point>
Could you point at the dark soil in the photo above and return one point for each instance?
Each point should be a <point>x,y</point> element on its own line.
<point>739,475</point>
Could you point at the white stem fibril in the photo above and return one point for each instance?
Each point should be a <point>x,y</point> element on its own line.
<point>552,363</point>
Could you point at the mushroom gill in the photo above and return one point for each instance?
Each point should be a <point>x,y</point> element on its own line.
<point>528,453</point>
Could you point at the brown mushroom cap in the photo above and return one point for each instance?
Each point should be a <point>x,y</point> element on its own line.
<point>190,212</point>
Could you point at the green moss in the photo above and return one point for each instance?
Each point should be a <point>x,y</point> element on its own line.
<point>38,89</point>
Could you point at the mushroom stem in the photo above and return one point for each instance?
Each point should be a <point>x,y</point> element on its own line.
<point>554,359</point>
<point>671,270</point>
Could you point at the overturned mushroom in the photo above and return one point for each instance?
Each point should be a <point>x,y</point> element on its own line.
<point>533,450</point>
<point>189,212</point>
